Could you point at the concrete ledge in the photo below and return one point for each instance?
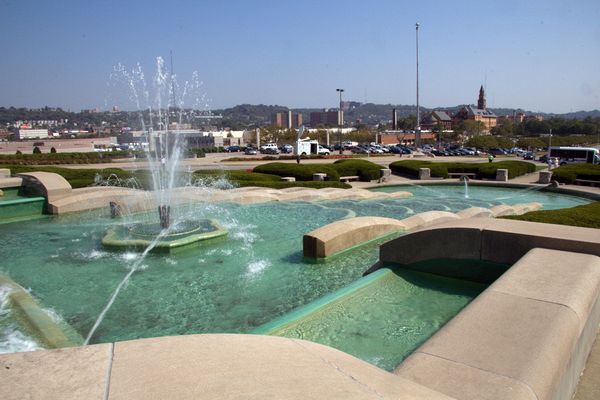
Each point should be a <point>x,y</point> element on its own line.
<point>248,366</point>
<point>495,240</point>
<point>51,186</point>
<point>36,322</point>
<point>346,233</point>
<point>341,235</point>
<point>10,182</point>
<point>68,374</point>
<point>526,337</point>
<point>202,367</point>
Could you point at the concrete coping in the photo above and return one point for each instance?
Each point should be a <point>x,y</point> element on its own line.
<point>496,240</point>
<point>210,366</point>
<point>50,185</point>
<point>35,321</point>
<point>526,337</point>
<point>344,234</point>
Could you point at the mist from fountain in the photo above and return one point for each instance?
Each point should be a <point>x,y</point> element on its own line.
<point>160,119</point>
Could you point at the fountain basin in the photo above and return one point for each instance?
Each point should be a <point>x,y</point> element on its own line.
<point>140,236</point>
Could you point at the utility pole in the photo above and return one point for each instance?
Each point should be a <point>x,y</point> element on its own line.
<point>340,121</point>
<point>418,127</point>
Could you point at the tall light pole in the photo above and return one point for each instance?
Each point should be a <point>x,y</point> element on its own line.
<point>340,121</point>
<point>418,127</point>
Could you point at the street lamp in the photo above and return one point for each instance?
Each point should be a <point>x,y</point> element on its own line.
<point>340,121</point>
<point>418,127</point>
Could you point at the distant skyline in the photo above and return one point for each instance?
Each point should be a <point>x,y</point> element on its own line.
<point>535,55</point>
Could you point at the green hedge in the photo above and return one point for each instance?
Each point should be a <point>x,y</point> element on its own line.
<point>587,216</point>
<point>568,173</point>
<point>307,184</point>
<point>77,178</point>
<point>365,170</point>
<point>66,158</point>
<point>302,172</point>
<point>238,176</point>
<point>441,169</point>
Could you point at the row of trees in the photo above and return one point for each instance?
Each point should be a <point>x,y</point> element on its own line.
<point>558,126</point>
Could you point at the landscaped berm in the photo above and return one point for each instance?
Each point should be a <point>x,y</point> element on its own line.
<point>298,293</point>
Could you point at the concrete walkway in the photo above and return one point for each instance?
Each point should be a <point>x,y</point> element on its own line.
<point>589,383</point>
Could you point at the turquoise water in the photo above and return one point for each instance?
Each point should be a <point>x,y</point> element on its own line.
<point>386,320</point>
<point>14,207</point>
<point>232,285</point>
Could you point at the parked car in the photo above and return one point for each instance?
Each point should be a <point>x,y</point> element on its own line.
<point>269,150</point>
<point>232,149</point>
<point>543,158</point>
<point>323,151</point>
<point>251,151</point>
<point>438,153</point>
<point>496,152</point>
<point>359,150</point>
<point>529,156</point>
<point>287,149</point>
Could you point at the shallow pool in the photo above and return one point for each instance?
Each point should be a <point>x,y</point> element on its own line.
<point>384,321</point>
<point>233,285</point>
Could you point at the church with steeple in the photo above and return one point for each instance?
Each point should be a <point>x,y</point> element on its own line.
<point>481,113</point>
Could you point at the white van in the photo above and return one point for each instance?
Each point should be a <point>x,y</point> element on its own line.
<point>572,155</point>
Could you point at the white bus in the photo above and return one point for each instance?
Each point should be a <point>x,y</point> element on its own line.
<point>571,155</point>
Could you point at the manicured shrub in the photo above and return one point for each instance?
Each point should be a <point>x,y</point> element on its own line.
<point>307,184</point>
<point>236,175</point>
<point>515,168</point>
<point>365,170</point>
<point>411,168</point>
<point>76,177</point>
<point>483,170</point>
<point>302,172</point>
<point>568,173</point>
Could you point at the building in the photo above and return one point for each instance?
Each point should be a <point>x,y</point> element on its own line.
<point>480,113</point>
<point>33,134</point>
<point>326,118</point>
<point>436,118</point>
<point>287,119</point>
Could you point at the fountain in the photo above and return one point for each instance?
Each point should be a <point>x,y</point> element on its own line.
<point>466,181</point>
<point>164,150</point>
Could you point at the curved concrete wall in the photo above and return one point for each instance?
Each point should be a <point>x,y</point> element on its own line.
<point>344,234</point>
<point>51,186</point>
<point>496,240</point>
<point>526,337</point>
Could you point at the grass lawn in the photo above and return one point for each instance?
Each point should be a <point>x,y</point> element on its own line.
<point>587,216</point>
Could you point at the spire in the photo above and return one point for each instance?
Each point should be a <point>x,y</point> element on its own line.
<point>481,100</point>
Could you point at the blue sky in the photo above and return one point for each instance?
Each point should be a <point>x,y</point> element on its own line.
<point>537,55</point>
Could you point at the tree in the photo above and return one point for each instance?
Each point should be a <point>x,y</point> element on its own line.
<point>529,143</point>
<point>507,128</point>
<point>36,150</point>
<point>482,141</point>
<point>470,127</point>
<point>438,129</point>
<point>52,150</point>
